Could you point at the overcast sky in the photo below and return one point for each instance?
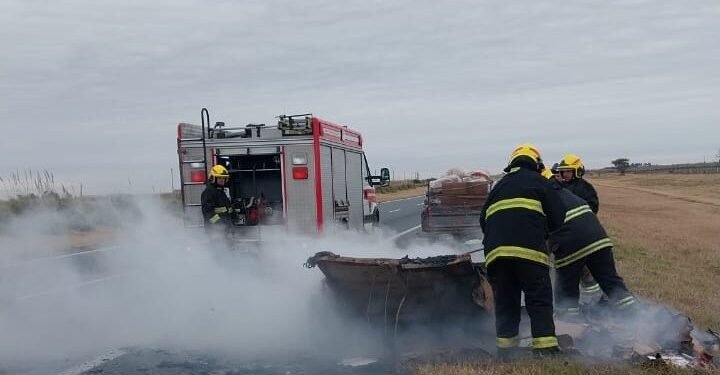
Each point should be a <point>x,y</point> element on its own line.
<point>93,90</point>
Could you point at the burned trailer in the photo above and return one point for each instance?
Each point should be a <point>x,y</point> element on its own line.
<point>408,291</point>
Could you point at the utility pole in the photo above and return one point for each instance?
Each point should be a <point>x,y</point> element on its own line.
<point>172,180</point>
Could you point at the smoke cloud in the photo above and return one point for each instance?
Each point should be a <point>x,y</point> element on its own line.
<point>169,287</point>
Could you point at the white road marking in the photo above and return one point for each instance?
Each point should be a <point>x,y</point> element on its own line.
<point>71,287</point>
<point>421,204</point>
<point>391,211</point>
<point>91,364</point>
<point>404,232</point>
<point>48,259</point>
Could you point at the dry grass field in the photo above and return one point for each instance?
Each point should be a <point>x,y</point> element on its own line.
<point>401,194</point>
<point>667,234</point>
<point>666,229</point>
<point>540,367</point>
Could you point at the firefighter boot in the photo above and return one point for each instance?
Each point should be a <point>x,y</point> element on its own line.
<point>511,354</point>
<point>627,307</point>
<point>570,315</point>
<point>552,352</point>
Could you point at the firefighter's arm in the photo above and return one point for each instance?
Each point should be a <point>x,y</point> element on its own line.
<point>593,199</point>
<point>208,205</point>
<point>482,214</point>
<point>554,207</point>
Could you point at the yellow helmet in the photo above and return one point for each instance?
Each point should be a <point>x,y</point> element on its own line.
<point>526,150</point>
<point>218,171</point>
<point>572,162</point>
<point>547,173</point>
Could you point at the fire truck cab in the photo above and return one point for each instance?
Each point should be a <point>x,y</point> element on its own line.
<point>306,173</point>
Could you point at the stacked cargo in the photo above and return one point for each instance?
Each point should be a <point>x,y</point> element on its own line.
<point>454,190</point>
<point>454,201</point>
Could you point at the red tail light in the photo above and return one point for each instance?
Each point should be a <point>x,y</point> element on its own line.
<point>197,176</point>
<point>300,173</point>
<point>369,194</point>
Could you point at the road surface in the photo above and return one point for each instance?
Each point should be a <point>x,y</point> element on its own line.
<point>401,216</point>
<point>400,220</point>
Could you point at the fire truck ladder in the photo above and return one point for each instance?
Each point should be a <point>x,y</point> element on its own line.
<point>205,119</point>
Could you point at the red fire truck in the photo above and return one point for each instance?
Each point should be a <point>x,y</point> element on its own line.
<point>306,173</point>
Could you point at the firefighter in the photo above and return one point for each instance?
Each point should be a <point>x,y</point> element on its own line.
<point>555,172</point>
<point>216,208</point>
<point>579,244</point>
<point>571,171</point>
<point>514,220</point>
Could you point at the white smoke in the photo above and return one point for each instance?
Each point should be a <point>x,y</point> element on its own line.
<point>168,287</point>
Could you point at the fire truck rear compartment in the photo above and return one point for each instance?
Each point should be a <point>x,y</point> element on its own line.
<point>257,179</point>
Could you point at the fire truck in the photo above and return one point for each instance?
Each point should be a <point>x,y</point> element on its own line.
<point>306,173</point>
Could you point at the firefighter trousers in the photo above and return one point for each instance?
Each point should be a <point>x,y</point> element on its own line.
<point>602,267</point>
<point>509,278</point>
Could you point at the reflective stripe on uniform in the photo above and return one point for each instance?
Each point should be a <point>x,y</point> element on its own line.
<point>516,252</point>
<point>577,211</point>
<point>506,342</point>
<point>572,311</point>
<point>585,251</point>
<point>592,288</point>
<point>544,342</point>
<point>214,219</point>
<point>221,210</point>
<point>625,302</point>
<point>530,204</point>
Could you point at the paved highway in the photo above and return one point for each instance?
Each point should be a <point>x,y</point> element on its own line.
<point>401,216</point>
<point>400,220</point>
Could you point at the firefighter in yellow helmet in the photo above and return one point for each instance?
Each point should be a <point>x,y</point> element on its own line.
<point>581,245</point>
<point>555,172</point>
<point>514,220</point>
<point>216,208</point>
<point>572,170</point>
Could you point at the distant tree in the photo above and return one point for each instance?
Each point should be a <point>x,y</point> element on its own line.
<point>621,164</point>
<point>455,171</point>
